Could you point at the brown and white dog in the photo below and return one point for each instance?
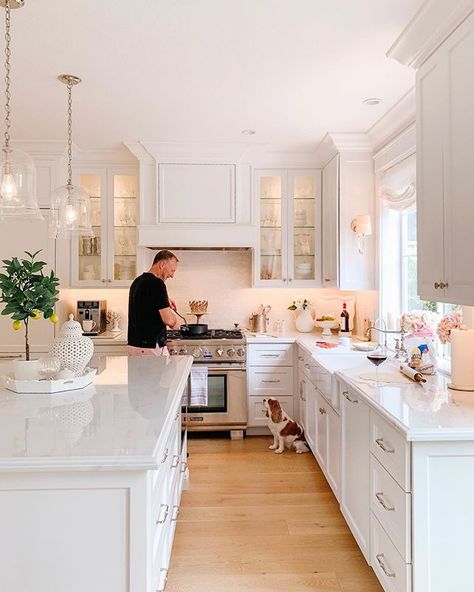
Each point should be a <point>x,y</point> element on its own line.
<point>286,432</point>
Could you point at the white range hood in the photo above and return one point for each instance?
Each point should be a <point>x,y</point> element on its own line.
<point>194,196</point>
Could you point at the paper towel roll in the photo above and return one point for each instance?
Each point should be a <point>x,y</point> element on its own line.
<point>462,359</point>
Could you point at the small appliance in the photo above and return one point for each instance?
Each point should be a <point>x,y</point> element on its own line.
<point>93,310</point>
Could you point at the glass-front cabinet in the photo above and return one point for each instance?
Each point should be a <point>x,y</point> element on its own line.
<point>289,251</point>
<point>110,257</point>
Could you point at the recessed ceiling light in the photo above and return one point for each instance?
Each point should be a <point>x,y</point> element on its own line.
<point>248,132</point>
<point>372,101</point>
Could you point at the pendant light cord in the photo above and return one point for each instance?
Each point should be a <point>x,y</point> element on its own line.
<point>69,134</point>
<point>7,75</point>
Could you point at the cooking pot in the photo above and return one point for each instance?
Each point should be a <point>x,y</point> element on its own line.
<point>193,329</point>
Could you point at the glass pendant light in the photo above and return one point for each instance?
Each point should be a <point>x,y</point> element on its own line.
<point>17,170</point>
<point>70,204</point>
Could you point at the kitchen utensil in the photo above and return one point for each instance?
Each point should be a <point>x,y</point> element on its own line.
<point>181,316</point>
<point>193,329</point>
<point>257,322</point>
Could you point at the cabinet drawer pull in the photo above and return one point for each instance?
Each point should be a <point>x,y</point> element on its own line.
<point>437,285</point>
<point>322,410</point>
<point>345,394</point>
<point>184,466</point>
<point>381,501</point>
<point>300,358</point>
<point>175,461</point>
<point>270,356</point>
<point>381,444</point>
<point>271,381</point>
<point>165,579</point>
<point>165,455</point>
<point>390,574</point>
<point>162,519</point>
<point>327,279</point>
<point>307,366</point>
<point>175,515</point>
<point>446,285</point>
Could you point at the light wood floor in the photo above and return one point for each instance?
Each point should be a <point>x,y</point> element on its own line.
<point>256,521</point>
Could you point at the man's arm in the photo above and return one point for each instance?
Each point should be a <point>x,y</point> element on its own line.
<point>169,318</point>
<point>172,304</point>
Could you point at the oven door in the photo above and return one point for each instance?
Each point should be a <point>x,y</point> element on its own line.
<point>227,400</point>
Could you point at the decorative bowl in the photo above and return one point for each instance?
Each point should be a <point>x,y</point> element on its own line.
<point>327,326</point>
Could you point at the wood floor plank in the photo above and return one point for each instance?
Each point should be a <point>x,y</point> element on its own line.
<point>256,521</point>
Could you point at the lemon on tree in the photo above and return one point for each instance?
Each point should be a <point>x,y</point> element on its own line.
<point>54,318</point>
<point>27,292</point>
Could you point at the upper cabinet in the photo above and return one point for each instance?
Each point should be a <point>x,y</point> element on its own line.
<point>347,193</point>
<point>439,42</point>
<point>445,183</point>
<point>288,252</point>
<point>109,259</point>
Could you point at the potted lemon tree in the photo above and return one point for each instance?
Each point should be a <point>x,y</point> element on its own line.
<point>27,293</point>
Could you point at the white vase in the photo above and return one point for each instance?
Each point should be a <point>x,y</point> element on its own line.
<point>26,369</point>
<point>304,321</point>
<point>72,348</point>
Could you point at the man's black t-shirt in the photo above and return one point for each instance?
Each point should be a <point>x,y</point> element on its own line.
<point>148,295</point>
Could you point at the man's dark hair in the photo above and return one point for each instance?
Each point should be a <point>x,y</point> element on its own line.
<point>164,255</point>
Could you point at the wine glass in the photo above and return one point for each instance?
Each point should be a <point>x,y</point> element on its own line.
<point>49,367</point>
<point>377,357</point>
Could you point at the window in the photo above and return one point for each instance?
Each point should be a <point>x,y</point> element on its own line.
<point>408,280</point>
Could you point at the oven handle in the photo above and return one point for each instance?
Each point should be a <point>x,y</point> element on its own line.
<point>225,369</point>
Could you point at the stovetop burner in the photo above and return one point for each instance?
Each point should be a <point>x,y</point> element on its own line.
<point>211,334</point>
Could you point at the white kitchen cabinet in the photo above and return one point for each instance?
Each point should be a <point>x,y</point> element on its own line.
<point>310,414</point>
<point>333,453</point>
<point>445,184</point>
<point>321,429</point>
<point>347,192</point>
<point>109,259</point>
<point>17,237</point>
<point>270,374</point>
<point>355,489</point>
<point>289,247</point>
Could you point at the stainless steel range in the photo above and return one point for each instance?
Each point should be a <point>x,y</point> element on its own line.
<point>224,354</point>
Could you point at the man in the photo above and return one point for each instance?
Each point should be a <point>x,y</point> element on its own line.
<point>150,310</point>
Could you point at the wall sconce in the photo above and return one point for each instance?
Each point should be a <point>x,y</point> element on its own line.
<point>362,227</point>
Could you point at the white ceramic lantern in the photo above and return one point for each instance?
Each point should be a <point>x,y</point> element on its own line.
<point>73,349</point>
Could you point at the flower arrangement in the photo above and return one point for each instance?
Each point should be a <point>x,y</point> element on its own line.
<point>301,304</point>
<point>27,292</point>
<point>420,322</point>
<point>452,320</point>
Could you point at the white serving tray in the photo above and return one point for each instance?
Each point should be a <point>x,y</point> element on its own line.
<point>48,387</point>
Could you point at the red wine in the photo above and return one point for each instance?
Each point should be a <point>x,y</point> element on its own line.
<point>344,319</point>
<point>377,358</point>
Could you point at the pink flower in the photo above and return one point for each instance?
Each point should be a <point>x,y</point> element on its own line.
<point>449,322</point>
<point>420,322</point>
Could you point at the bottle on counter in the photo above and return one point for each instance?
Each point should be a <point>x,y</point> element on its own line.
<point>344,319</point>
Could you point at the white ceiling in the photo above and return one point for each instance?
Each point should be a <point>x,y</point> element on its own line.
<point>203,70</point>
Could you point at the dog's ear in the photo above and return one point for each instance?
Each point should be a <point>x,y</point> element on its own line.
<point>276,411</point>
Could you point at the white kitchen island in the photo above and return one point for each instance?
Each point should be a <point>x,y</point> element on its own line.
<point>90,480</point>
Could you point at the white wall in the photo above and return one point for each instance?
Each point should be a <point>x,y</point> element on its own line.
<point>224,279</point>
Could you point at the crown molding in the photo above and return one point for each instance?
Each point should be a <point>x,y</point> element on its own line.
<point>196,152</point>
<point>139,152</point>
<point>394,121</point>
<point>399,148</point>
<point>430,26</point>
<point>334,143</point>
<point>118,156</point>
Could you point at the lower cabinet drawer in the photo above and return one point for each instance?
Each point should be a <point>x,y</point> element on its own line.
<point>270,382</point>
<point>257,412</point>
<point>393,573</point>
<point>392,506</point>
<point>391,449</point>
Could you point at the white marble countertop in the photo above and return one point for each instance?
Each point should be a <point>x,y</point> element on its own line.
<point>115,423</point>
<point>428,412</point>
<point>305,340</point>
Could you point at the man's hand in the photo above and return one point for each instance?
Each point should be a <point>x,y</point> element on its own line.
<point>172,304</point>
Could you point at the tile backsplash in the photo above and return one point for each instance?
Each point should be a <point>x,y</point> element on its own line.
<point>224,279</point>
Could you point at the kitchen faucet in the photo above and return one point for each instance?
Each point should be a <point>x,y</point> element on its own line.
<point>400,350</point>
